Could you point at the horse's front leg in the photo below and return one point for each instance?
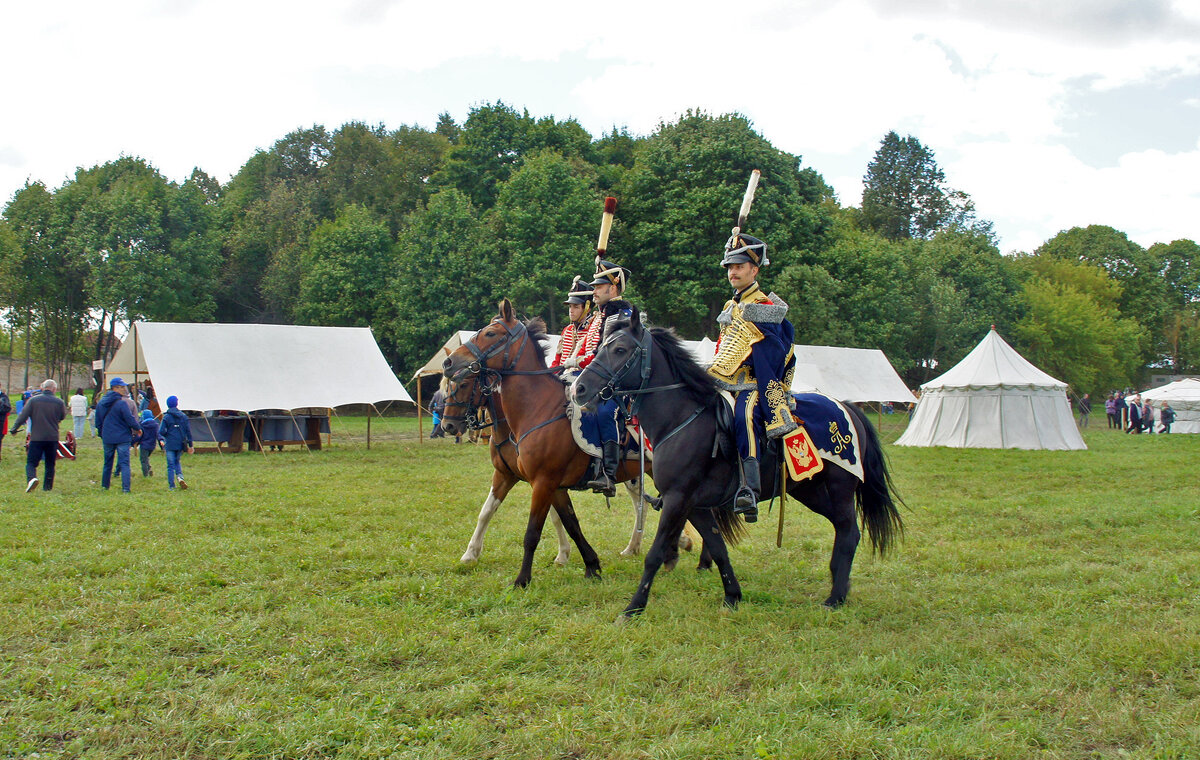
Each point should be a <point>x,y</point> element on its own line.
<point>564,543</point>
<point>670,525</point>
<point>570,521</point>
<point>714,545</point>
<point>539,505</point>
<point>501,485</point>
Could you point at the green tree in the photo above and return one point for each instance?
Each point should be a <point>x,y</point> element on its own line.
<point>546,217</point>
<point>491,144</point>
<point>447,265</point>
<point>905,195</point>
<point>680,200</point>
<point>1073,328</point>
<point>1136,270</point>
<point>346,270</point>
<point>1180,263</point>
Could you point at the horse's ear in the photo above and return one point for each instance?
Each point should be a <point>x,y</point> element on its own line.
<point>506,310</point>
<point>635,320</point>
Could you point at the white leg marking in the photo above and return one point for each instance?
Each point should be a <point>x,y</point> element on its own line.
<point>564,542</point>
<point>475,547</point>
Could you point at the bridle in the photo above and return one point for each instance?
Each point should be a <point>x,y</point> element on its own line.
<point>639,358</point>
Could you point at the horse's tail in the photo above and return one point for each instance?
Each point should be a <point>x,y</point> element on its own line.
<point>732,528</point>
<point>877,496</point>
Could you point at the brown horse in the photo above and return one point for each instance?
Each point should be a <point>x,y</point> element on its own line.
<point>532,440</point>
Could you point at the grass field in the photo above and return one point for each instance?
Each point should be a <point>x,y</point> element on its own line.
<point>1044,604</point>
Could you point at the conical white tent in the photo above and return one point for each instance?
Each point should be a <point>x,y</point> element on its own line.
<point>1184,398</point>
<point>993,399</point>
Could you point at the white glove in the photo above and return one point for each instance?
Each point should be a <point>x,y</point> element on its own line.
<point>571,362</point>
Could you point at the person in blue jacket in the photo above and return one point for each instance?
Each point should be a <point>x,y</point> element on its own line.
<point>149,441</point>
<point>176,435</point>
<point>117,425</point>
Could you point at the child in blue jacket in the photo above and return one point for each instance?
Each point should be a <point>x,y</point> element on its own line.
<point>176,434</point>
<point>148,442</point>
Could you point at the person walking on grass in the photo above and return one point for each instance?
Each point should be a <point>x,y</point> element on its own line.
<point>79,410</point>
<point>1166,416</point>
<point>43,411</point>
<point>176,435</point>
<point>149,441</point>
<point>1085,410</point>
<point>6,408</point>
<point>116,425</point>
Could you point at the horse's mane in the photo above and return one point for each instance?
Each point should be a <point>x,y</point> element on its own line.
<point>536,328</point>
<point>696,379</point>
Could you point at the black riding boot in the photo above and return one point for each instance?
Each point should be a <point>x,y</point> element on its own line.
<point>745,503</point>
<point>606,481</point>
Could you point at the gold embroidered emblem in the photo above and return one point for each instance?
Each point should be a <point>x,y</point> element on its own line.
<point>840,442</point>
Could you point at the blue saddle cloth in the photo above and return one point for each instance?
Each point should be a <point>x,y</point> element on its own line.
<point>827,424</point>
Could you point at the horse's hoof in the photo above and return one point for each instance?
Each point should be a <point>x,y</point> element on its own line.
<point>685,542</point>
<point>561,560</point>
<point>630,551</point>
<point>833,602</point>
<point>704,567</point>
<point>669,565</point>
<point>592,572</point>
<point>469,559</point>
<point>731,602</point>
<point>520,583</point>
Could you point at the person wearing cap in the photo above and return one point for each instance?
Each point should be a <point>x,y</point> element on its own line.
<point>574,335</point>
<point>176,435</point>
<point>607,287</point>
<point>148,442</point>
<point>44,411</point>
<point>754,361</point>
<point>116,425</point>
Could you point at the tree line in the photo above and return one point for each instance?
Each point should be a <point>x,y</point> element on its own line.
<point>417,233</point>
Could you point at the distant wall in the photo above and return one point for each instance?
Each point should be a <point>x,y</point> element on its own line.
<point>12,374</point>
<point>1157,380</point>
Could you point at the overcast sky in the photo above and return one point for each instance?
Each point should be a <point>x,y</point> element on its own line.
<point>1050,114</point>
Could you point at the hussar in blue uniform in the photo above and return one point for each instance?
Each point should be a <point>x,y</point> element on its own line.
<point>755,357</point>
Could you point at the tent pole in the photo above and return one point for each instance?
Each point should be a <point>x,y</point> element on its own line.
<point>329,435</point>
<point>301,432</point>
<point>214,435</point>
<point>250,422</point>
<point>369,429</point>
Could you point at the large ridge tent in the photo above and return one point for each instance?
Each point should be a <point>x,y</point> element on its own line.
<point>1184,398</point>
<point>249,367</point>
<point>993,399</point>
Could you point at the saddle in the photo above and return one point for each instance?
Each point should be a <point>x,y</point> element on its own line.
<point>586,433</point>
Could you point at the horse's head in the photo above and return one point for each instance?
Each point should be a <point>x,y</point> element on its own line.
<point>497,346</point>
<point>620,363</point>
<point>466,397</point>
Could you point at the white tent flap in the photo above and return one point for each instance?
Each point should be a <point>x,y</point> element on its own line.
<point>245,367</point>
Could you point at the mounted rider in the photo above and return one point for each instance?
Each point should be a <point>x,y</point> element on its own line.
<point>755,357</point>
<point>607,287</point>
<point>579,307</point>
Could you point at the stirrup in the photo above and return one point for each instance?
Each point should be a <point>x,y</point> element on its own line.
<point>745,503</point>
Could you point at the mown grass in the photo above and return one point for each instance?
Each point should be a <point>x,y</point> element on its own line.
<point>1044,604</point>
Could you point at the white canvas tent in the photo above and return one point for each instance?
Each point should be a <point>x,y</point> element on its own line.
<point>250,367</point>
<point>993,399</point>
<point>1184,398</point>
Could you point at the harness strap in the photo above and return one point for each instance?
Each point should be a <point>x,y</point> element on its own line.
<point>685,423</point>
<point>517,443</point>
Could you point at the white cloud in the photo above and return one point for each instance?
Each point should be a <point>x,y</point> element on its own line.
<point>205,83</point>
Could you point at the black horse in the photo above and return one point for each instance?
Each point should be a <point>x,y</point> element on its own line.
<point>676,404</point>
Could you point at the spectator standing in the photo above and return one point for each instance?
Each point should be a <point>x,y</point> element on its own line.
<point>148,442</point>
<point>437,407</point>
<point>1134,407</point>
<point>1148,416</point>
<point>1110,409</point>
<point>79,410</point>
<point>21,401</point>
<point>5,410</point>
<point>43,411</point>
<point>116,425</point>
<point>1122,409</point>
<point>1166,415</point>
<point>176,435</point>
<point>1085,409</point>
